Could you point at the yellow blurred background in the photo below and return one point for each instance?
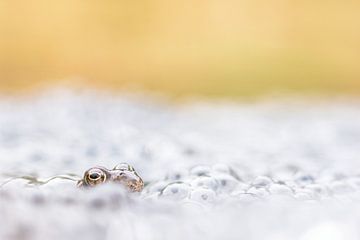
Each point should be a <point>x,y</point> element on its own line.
<point>182,47</point>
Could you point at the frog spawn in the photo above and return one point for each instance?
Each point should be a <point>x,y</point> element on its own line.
<point>208,185</point>
<point>202,184</point>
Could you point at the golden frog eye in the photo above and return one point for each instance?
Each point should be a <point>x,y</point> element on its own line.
<point>94,176</point>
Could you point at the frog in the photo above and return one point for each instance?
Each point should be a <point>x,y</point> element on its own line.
<point>123,174</point>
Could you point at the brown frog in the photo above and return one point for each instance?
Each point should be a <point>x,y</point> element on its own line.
<point>122,173</point>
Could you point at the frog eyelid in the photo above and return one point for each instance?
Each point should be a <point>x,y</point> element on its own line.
<point>124,166</point>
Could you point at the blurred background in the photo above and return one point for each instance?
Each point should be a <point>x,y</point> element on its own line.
<point>209,48</point>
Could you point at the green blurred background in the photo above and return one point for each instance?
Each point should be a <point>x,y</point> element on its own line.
<point>182,47</point>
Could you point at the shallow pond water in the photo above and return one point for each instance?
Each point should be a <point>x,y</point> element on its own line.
<point>274,169</point>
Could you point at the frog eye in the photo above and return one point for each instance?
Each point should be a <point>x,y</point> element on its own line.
<point>95,176</point>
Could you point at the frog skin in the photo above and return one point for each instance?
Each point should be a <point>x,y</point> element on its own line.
<point>123,174</point>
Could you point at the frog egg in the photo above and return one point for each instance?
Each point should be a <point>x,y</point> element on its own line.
<point>176,191</point>
<point>303,179</point>
<point>203,195</point>
<point>200,170</point>
<point>156,187</point>
<point>317,189</point>
<point>177,175</point>
<point>262,181</point>
<point>205,182</point>
<point>226,182</point>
